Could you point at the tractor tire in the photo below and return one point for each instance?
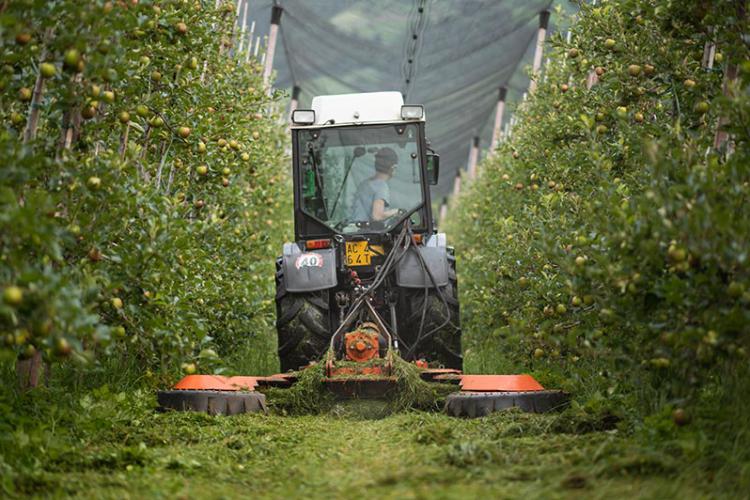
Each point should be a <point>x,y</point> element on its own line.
<point>443,347</point>
<point>303,325</point>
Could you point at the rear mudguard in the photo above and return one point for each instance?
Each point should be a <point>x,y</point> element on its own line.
<point>308,271</point>
<point>311,271</point>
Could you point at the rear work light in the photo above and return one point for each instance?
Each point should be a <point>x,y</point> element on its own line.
<point>317,244</point>
<point>412,112</point>
<point>303,116</point>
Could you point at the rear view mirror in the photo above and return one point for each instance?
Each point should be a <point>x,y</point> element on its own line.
<point>433,168</point>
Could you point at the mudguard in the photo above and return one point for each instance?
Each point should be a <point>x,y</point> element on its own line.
<point>410,272</point>
<point>308,271</point>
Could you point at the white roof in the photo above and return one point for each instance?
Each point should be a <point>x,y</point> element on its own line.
<point>358,108</point>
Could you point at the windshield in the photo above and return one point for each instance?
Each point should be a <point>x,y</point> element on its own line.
<point>361,178</point>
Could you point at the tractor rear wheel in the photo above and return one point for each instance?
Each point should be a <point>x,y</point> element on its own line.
<point>303,326</point>
<point>440,338</point>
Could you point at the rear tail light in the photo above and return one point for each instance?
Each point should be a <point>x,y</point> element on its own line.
<point>317,244</point>
<point>417,238</point>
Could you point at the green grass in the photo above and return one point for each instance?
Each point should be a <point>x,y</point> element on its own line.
<point>115,445</point>
<point>407,455</point>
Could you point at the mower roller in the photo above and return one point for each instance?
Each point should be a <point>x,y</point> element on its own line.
<point>368,281</point>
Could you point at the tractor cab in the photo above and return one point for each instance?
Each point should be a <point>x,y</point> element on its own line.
<point>362,167</point>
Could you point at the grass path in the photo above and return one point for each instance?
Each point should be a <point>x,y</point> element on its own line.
<point>411,455</point>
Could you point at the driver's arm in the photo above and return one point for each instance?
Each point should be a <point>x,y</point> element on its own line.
<point>379,212</point>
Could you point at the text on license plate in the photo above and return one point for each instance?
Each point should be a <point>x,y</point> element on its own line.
<point>358,253</point>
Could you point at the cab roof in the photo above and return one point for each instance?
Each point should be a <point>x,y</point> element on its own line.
<point>350,109</point>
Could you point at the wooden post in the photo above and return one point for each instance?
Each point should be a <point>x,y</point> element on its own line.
<point>709,51</point>
<point>457,186</point>
<point>540,37</point>
<point>32,122</point>
<point>271,49</point>
<point>242,22</point>
<point>722,137</point>
<point>497,129</point>
<point>473,156</point>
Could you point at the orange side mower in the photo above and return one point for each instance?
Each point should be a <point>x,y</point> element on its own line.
<point>368,281</point>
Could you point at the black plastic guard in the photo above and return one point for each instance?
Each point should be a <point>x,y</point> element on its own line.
<point>481,404</point>
<point>310,271</point>
<point>411,274</point>
<point>213,402</point>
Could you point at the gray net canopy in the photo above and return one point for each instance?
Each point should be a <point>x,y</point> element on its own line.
<point>449,55</point>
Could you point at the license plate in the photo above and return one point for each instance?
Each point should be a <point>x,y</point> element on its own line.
<point>358,253</point>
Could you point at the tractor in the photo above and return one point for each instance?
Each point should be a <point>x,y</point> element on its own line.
<point>368,278</point>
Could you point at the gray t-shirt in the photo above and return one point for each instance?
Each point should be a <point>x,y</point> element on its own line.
<point>367,192</point>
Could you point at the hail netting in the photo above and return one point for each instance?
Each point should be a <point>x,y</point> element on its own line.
<point>462,53</point>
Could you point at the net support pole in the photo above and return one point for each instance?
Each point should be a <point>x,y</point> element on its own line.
<point>273,34</point>
<point>497,129</point>
<point>541,35</point>
<point>473,157</point>
<point>295,99</point>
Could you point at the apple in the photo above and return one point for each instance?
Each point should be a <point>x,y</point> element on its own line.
<point>95,90</point>
<point>256,135</point>
<point>622,111</point>
<point>202,169</point>
<point>226,171</point>
<point>601,129</point>
<point>588,299</point>
<point>689,83</point>
<point>576,301</point>
<point>124,117</point>
<point>735,289</point>
<point>718,57</point>
<point>221,143</point>
<point>88,112</point>
<point>157,122</point>
<point>72,59</point>
<point>680,417</point>
<point>47,70</point>
<point>225,182</point>
<point>16,118</point>
<point>142,110</point>
<point>581,261</point>
<point>561,309</point>
<point>95,255</point>
<point>234,144</point>
<point>155,76</point>
<point>108,96</point>
<point>94,183</point>
<point>609,43</point>
<point>245,157</point>
<point>634,70</point>
<point>201,147</point>
<point>599,71</point>
<point>184,132</point>
<point>648,69</point>
<point>573,53</point>
<point>193,64</point>
<point>24,94</point>
<point>564,87</point>
<point>701,107</point>
<point>116,302</point>
<point>13,296</point>
<point>23,38</point>
<point>638,117</point>
<point>199,204</point>
<point>189,368</point>
<point>119,332</point>
<point>62,347</point>
<point>181,28</point>
<point>538,353</point>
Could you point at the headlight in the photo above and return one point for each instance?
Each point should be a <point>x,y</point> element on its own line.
<point>412,112</point>
<point>303,116</point>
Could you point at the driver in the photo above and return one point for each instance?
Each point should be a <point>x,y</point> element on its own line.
<point>372,198</point>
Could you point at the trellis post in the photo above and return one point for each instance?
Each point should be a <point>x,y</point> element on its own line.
<point>540,37</point>
<point>497,129</point>
<point>271,48</point>
<point>473,156</point>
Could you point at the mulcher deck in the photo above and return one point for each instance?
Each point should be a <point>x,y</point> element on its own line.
<point>479,395</point>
